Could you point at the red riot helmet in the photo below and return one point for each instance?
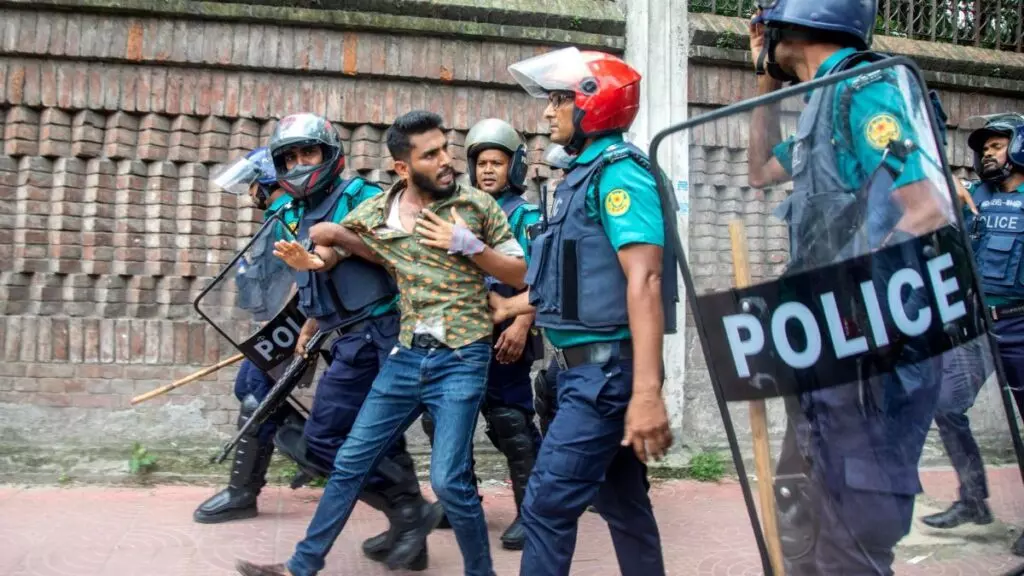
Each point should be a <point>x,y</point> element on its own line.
<point>606,90</point>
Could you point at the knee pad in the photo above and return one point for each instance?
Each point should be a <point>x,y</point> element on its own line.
<point>797,514</point>
<point>512,429</point>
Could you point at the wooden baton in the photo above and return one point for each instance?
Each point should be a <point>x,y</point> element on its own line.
<point>190,378</point>
<point>758,419</point>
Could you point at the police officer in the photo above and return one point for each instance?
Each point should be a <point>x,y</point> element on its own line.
<point>596,286</point>
<point>998,242</point>
<point>361,299</point>
<point>255,294</point>
<point>861,442</point>
<point>497,165</point>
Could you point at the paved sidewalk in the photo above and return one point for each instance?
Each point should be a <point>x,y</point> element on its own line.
<point>93,531</point>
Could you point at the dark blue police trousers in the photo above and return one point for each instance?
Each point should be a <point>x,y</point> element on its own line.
<point>580,463</point>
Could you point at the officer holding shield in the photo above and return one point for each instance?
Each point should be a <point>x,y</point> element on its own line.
<point>596,286</point>
<point>257,292</point>
<point>855,141</point>
<point>359,298</point>
<point>998,240</point>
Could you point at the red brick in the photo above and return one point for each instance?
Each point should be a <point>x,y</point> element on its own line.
<point>133,50</point>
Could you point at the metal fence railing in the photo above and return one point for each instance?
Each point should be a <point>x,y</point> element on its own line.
<point>994,24</point>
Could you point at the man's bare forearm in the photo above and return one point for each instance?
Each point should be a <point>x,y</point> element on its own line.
<point>647,326</point>
<point>349,241</point>
<point>519,305</point>
<point>509,270</point>
<point>765,134</point>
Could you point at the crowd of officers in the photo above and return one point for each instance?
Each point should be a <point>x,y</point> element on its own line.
<point>439,292</point>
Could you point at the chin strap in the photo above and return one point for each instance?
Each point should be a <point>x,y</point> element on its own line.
<point>766,63</point>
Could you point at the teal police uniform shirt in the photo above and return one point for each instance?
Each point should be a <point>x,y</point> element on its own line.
<point>877,115</point>
<point>291,213</point>
<point>630,213</point>
<point>521,219</point>
<point>346,205</point>
<point>968,217</point>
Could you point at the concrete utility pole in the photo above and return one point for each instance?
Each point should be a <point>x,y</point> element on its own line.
<point>657,44</point>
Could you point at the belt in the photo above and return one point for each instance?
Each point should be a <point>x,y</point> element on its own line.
<point>427,341</point>
<point>595,353</point>
<point>1006,311</point>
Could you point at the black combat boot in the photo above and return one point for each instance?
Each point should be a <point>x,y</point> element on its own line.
<point>412,518</point>
<point>248,476</point>
<point>514,434</point>
<point>961,512</point>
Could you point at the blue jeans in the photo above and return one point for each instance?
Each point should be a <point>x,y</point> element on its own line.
<point>449,385</point>
<point>580,463</point>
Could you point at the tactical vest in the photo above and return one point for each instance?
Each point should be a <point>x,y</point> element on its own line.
<point>828,220</point>
<point>347,293</point>
<point>1000,243</point>
<point>575,279</point>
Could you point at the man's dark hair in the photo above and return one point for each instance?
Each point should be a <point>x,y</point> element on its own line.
<point>407,125</point>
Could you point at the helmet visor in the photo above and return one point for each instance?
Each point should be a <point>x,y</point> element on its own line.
<point>238,176</point>
<point>999,121</point>
<point>562,69</point>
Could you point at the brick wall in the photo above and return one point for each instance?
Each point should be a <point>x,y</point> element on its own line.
<point>111,123</point>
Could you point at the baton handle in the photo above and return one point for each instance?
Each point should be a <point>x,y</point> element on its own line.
<point>186,380</point>
<point>758,419</point>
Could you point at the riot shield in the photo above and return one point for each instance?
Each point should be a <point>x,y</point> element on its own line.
<point>252,302</point>
<point>833,288</point>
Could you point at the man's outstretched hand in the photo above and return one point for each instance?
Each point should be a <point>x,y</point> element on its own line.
<point>296,256</point>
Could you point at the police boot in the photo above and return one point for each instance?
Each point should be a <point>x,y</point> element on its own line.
<point>411,517</point>
<point>428,428</point>
<point>290,439</point>
<point>513,433</point>
<point>961,512</point>
<point>248,476</point>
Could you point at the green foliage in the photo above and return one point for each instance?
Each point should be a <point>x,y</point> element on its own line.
<point>141,461</point>
<point>707,467</point>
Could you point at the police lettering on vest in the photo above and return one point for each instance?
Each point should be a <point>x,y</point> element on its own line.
<point>817,329</point>
<point>1000,241</point>
<point>345,294</point>
<point>573,292</point>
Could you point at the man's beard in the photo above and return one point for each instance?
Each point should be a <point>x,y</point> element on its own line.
<point>425,184</point>
<point>991,170</point>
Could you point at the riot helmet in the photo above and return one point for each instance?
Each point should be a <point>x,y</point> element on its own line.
<point>846,22</point>
<point>491,134</point>
<point>254,169</point>
<point>1008,125</point>
<point>302,130</point>
<point>604,89</point>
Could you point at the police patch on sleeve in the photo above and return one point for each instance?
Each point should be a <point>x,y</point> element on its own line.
<point>882,129</point>
<point>617,202</point>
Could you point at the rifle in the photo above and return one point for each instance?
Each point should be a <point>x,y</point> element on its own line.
<point>278,394</point>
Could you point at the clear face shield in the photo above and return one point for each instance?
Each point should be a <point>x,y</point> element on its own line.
<point>559,70</point>
<point>238,176</point>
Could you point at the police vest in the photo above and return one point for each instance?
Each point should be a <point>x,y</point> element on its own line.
<point>1000,243</point>
<point>575,279</point>
<point>347,293</point>
<point>264,282</point>
<point>828,220</point>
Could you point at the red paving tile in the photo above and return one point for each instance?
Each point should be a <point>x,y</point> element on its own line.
<point>86,531</point>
